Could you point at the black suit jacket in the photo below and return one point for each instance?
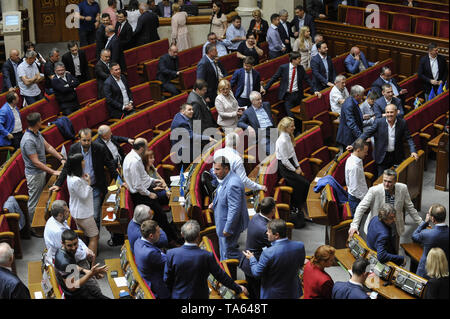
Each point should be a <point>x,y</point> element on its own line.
<point>116,140</point>
<point>319,72</point>
<point>286,35</point>
<point>101,72</point>
<point>249,117</point>
<point>264,28</point>
<point>146,29</point>
<point>100,159</point>
<point>9,75</point>
<point>84,67</point>
<point>65,90</point>
<point>201,111</point>
<point>426,75</point>
<point>315,7</point>
<point>116,51</point>
<point>113,95</point>
<point>206,71</point>
<point>100,40</point>
<point>309,22</point>
<point>160,9</point>
<point>49,70</point>
<point>125,36</point>
<point>283,73</point>
<point>167,68</point>
<point>379,82</point>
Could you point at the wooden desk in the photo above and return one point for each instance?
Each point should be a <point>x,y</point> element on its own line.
<point>119,225</point>
<point>414,251</point>
<point>438,145</point>
<point>35,288</point>
<point>315,211</point>
<point>388,292</point>
<point>179,214</point>
<point>114,265</point>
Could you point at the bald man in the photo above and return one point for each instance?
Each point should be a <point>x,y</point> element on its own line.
<point>113,45</point>
<point>112,143</point>
<point>9,70</point>
<point>356,61</point>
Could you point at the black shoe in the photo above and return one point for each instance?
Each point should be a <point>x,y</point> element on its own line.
<point>34,234</point>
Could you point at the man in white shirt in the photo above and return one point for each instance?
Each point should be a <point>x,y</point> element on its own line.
<point>117,93</point>
<point>29,77</point>
<point>142,187</point>
<point>236,163</point>
<point>354,174</point>
<point>338,94</point>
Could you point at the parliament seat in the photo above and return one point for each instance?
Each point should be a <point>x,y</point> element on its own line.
<point>443,28</point>
<point>189,57</point>
<point>354,16</point>
<point>87,92</point>
<point>424,26</point>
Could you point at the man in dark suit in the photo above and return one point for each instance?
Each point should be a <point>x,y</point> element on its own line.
<point>95,154</point>
<point>49,69</point>
<point>100,37</point>
<point>390,133</point>
<point>354,288</point>
<point>245,80</point>
<point>117,93</point>
<point>150,259</point>
<point>437,236</point>
<point>101,71</point>
<point>432,70</point>
<point>188,267</point>
<point>380,237</point>
<point>168,70</point>
<point>112,143</point>
<point>292,76</point>
<point>64,85</point>
<point>316,8</point>
<point>9,70</point>
<point>322,67</point>
<point>285,30</point>
<point>351,120</point>
<point>257,118</point>
<point>164,9</point>
<point>147,26</point>
<point>279,264</point>
<point>201,110</point>
<point>212,71</point>
<point>257,240</point>
<point>303,19</point>
<point>113,45</point>
<point>124,30</point>
<point>76,62</point>
<point>387,98</point>
<point>10,285</point>
<point>386,78</point>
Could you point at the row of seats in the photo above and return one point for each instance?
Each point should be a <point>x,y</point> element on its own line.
<point>433,11</point>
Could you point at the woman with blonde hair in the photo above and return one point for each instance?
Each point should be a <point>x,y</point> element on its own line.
<point>258,26</point>
<point>317,284</point>
<point>180,34</point>
<point>288,165</point>
<point>227,107</point>
<point>437,272</point>
<point>304,44</point>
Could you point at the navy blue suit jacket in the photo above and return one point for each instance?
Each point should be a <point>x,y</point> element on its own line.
<point>379,130</point>
<point>381,239</point>
<point>238,81</point>
<point>146,28</point>
<point>425,74</point>
<point>167,68</point>
<point>116,51</point>
<point>9,75</point>
<point>309,22</point>
<point>65,90</point>
<point>134,233</point>
<point>350,123</point>
<point>380,105</point>
<point>206,71</point>
<point>319,72</point>
<point>150,261</point>
<point>278,267</point>
<point>249,117</point>
<point>379,82</point>
<point>438,236</point>
<point>11,287</point>
<point>187,270</point>
<point>347,290</point>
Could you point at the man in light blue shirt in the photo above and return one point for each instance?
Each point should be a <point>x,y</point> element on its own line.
<point>235,34</point>
<point>276,46</point>
<point>220,45</point>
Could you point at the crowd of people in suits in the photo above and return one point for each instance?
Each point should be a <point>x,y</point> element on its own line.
<point>171,262</point>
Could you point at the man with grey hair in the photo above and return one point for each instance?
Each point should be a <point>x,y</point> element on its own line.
<point>9,70</point>
<point>55,225</point>
<point>112,143</point>
<point>10,285</point>
<point>338,94</point>
<point>147,26</point>
<point>64,85</point>
<point>29,77</point>
<point>231,153</point>
<point>285,30</point>
<point>351,120</point>
<point>318,38</point>
<point>141,214</point>
<point>49,69</point>
<point>188,267</point>
<point>113,44</point>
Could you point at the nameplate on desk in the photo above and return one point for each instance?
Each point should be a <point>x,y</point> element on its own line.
<point>120,281</point>
<point>251,212</point>
<point>112,188</point>
<point>38,295</point>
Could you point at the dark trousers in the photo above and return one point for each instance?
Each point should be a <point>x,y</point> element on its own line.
<point>16,140</point>
<point>86,37</point>
<point>32,99</point>
<point>388,162</point>
<point>353,203</point>
<point>170,87</point>
<point>243,102</point>
<point>297,182</point>
<point>291,100</point>
<point>275,54</point>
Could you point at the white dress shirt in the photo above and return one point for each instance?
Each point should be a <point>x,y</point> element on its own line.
<point>135,176</point>
<point>434,67</point>
<point>52,237</point>
<point>112,148</point>
<point>76,63</point>
<point>123,89</point>
<point>391,137</point>
<point>335,96</point>
<point>355,178</point>
<point>81,202</point>
<point>237,166</point>
<point>17,121</point>
<point>284,150</point>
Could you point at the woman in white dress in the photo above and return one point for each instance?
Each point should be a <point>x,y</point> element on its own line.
<point>304,44</point>
<point>133,13</point>
<point>227,107</point>
<point>180,35</point>
<point>81,202</point>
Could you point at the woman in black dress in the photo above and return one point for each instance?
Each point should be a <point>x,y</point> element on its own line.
<point>249,48</point>
<point>437,272</point>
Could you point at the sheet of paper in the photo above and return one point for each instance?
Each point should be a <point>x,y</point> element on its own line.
<point>316,179</point>
<point>38,295</point>
<point>251,211</point>
<point>120,281</point>
<point>111,198</point>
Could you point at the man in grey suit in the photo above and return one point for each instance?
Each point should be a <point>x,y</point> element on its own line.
<point>230,209</point>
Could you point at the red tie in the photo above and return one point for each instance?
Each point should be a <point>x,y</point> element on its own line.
<point>292,80</point>
<point>118,30</point>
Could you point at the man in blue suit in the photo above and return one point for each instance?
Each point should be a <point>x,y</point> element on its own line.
<point>246,80</point>
<point>188,267</point>
<point>279,265</point>
<point>381,238</point>
<point>230,209</point>
<point>141,214</point>
<point>389,133</point>
<point>150,260</point>
<point>10,122</point>
<point>351,119</point>
<point>257,240</point>
<point>356,61</point>
<point>438,236</point>
<point>387,98</point>
<point>323,71</point>
<point>257,118</point>
<point>354,288</point>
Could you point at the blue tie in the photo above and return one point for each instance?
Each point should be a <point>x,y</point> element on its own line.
<point>247,85</point>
